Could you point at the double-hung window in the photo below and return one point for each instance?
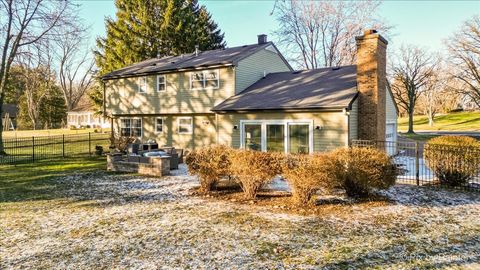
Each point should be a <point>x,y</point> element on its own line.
<point>131,127</point>
<point>161,83</point>
<point>206,79</point>
<point>142,84</point>
<point>185,125</point>
<point>159,124</point>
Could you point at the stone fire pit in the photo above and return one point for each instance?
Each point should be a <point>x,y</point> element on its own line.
<point>151,166</point>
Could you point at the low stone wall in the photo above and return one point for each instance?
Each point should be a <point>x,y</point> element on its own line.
<point>156,166</point>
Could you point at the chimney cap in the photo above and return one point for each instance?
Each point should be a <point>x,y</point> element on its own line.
<point>197,50</point>
<point>371,34</point>
<point>262,39</point>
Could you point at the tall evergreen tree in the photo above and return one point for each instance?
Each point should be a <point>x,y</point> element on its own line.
<point>146,29</point>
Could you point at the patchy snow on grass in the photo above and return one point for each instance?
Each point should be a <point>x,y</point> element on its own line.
<point>103,220</point>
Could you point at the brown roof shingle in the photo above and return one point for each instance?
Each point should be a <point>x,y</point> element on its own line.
<point>325,88</point>
<point>226,56</point>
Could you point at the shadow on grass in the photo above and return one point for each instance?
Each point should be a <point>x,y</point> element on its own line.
<point>39,180</point>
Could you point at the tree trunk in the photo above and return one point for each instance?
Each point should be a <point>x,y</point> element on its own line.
<point>410,122</point>
<point>430,120</point>
<point>2,151</point>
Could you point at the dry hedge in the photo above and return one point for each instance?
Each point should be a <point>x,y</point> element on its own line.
<point>307,174</point>
<point>210,164</point>
<point>363,169</point>
<point>253,169</point>
<point>453,159</point>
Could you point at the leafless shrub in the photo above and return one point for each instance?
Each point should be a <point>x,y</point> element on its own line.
<point>252,169</point>
<point>121,143</point>
<point>210,164</point>
<point>307,174</point>
<point>363,169</point>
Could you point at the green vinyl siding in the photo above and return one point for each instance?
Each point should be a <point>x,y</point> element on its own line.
<point>391,111</point>
<point>122,96</point>
<point>332,134</point>
<point>353,121</point>
<point>203,132</point>
<point>252,68</point>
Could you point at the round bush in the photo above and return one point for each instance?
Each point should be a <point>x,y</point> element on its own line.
<point>307,174</point>
<point>210,164</point>
<point>252,169</point>
<point>453,159</point>
<point>361,170</point>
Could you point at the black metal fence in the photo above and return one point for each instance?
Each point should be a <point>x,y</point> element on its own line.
<point>28,150</point>
<point>420,164</point>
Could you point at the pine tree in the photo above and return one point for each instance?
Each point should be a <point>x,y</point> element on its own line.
<point>145,29</point>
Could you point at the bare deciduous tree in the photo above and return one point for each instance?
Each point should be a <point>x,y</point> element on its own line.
<point>22,23</point>
<point>411,70</point>
<point>464,49</point>
<point>75,63</point>
<point>321,33</point>
<point>433,98</point>
<point>37,77</point>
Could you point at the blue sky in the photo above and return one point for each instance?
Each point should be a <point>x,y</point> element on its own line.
<point>424,23</point>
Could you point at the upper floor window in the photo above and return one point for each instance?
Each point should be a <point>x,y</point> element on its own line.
<point>131,127</point>
<point>142,84</point>
<point>161,83</point>
<point>206,79</point>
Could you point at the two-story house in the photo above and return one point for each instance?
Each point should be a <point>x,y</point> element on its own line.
<point>250,97</point>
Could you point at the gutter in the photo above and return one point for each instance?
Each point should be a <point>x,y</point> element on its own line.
<point>320,109</point>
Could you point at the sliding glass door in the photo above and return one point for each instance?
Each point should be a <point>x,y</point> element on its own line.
<point>276,138</point>
<point>253,137</point>
<point>298,138</point>
<point>291,136</point>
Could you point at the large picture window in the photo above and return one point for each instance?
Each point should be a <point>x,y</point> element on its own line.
<point>185,125</point>
<point>206,79</point>
<point>131,127</point>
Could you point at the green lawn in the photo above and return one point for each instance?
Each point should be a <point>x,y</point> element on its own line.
<point>49,132</point>
<point>72,214</point>
<point>462,121</point>
<point>37,181</point>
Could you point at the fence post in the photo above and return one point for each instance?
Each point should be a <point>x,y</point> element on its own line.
<point>33,148</point>
<point>89,145</point>
<point>63,145</point>
<point>417,164</point>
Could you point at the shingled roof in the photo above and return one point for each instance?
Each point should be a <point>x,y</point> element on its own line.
<point>11,109</point>
<point>325,88</point>
<point>227,56</point>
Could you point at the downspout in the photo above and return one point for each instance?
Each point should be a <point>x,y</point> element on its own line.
<point>104,101</point>
<point>112,133</point>
<point>347,114</point>
<point>216,126</point>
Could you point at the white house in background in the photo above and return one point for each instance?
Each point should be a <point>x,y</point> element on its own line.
<point>84,115</point>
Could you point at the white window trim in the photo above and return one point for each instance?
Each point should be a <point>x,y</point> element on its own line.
<point>205,80</point>
<point>132,118</point>
<point>164,83</point>
<point>191,125</point>
<point>156,125</point>
<point>285,122</point>
<point>139,84</point>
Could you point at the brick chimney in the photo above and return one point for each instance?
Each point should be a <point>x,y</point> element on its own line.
<point>262,39</point>
<point>371,85</point>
